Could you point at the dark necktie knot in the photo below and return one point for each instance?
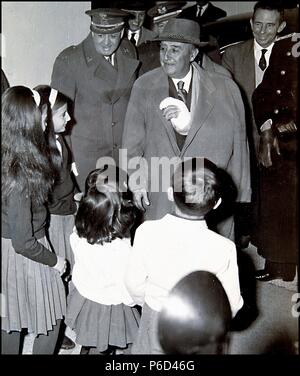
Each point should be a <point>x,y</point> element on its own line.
<point>182,93</point>
<point>262,61</point>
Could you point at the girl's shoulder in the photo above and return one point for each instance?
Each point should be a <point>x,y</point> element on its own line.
<point>116,245</point>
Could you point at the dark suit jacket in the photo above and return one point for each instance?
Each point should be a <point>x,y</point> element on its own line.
<point>212,13</point>
<point>239,60</point>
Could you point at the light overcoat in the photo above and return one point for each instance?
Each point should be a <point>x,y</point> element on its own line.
<point>217,132</point>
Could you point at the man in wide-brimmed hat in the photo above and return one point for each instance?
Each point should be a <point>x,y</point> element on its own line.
<point>181,110</point>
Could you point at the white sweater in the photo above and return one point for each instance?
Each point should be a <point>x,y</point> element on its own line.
<point>98,272</point>
<point>168,249</point>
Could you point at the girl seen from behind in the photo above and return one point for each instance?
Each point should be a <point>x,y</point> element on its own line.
<point>100,310</point>
<point>32,288</point>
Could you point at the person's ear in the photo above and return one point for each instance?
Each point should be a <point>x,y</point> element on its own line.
<point>170,194</point>
<point>251,23</point>
<point>281,27</point>
<point>217,203</point>
<point>194,54</point>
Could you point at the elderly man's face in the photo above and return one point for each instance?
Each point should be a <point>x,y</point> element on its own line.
<point>137,20</point>
<point>176,57</point>
<point>107,44</point>
<point>265,25</point>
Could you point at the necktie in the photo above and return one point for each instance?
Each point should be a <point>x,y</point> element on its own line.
<point>199,9</point>
<point>262,61</point>
<point>182,93</point>
<point>132,39</point>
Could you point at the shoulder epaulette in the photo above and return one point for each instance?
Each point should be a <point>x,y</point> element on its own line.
<point>285,37</point>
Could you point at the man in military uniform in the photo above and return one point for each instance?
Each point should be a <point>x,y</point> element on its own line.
<point>275,103</point>
<point>97,75</point>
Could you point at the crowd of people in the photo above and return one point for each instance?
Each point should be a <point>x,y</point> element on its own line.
<point>145,161</point>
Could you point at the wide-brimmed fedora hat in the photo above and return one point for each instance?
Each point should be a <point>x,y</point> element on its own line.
<point>181,30</point>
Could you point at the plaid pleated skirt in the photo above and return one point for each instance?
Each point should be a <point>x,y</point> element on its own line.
<point>60,229</point>
<point>98,325</point>
<point>33,294</point>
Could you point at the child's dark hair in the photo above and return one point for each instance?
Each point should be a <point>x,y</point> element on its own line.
<point>25,156</point>
<point>104,213</point>
<point>196,186</point>
<point>60,100</point>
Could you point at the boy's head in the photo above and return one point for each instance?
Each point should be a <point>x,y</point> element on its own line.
<point>195,317</point>
<point>196,187</point>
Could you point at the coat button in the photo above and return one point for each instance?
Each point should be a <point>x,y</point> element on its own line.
<point>278,92</point>
<point>276,111</point>
<point>115,146</point>
<point>282,72</point>
<point>288,53</point>
<point>113,123</point>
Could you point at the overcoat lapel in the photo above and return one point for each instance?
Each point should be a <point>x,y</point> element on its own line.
<point>126,68</point>
<point>162,92</point>
<point>203,107</point>
<point>103,70</point>
<point>248,66</point>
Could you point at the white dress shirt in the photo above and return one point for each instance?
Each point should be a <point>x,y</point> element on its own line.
<point>203,9</point>
<point>112,59</point>
<point>168,249</point>
<point>58,144</point>
<point>259,74</point>
<point>136,35</point>
<point>186,79</point>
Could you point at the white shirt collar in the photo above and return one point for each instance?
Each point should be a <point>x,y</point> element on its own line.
<point>257,51</point>
<point>187,80</point>
<point>199,223</point>
<point>135,33</point>
<point>112,58</point>
<point>203,8</point>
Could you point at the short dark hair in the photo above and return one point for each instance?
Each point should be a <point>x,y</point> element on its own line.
<point>104,213</point>
<point>196,186</point>
<point>269,5</point>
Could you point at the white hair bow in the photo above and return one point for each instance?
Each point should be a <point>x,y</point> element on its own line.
<point>36,97</point>
<point>52,97</point>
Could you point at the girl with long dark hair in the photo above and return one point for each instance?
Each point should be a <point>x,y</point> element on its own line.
<point>32,289</point>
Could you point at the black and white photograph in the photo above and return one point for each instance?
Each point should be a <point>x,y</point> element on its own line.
<point>150,181</point>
